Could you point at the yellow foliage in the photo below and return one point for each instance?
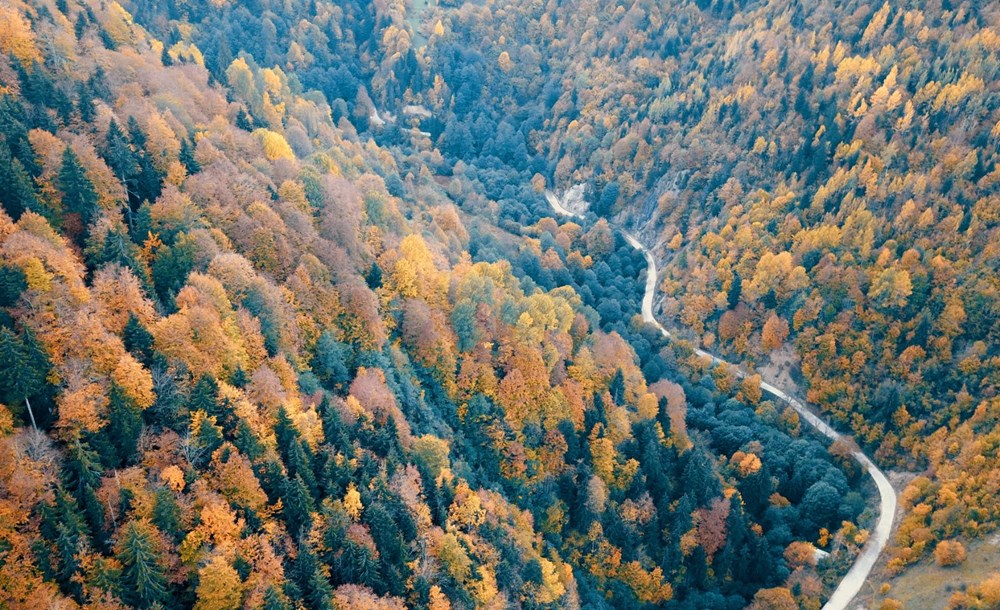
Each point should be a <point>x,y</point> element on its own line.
<point>219,586</point>
<point>17,37</point>
<point>275,146</point>
<point>352,502</point>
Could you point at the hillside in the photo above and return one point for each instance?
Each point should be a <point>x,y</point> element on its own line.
<point>286,323</point>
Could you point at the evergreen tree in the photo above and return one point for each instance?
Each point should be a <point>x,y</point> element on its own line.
<point>617,388</point>
<point>79,196</point>
<point>12,283</point>
<point>25,367</point>
<point>208,438</point>
<point>82,474</point>
<point>205,395</point>
<point>316,590</point>
<point>243,120</point>
<point>297,505</point>
<point>64,526</point>
<point>17,191</point>
<point>80,27</point>
<point>187,157</point>
<point>735,291</point>
<point>142,577</point>
<point>118,153</point>
<point>699,478</point>
<point>120,437</point>
<point>85,104</point>
<point>138,341</point>
<point>246,441</point>
<point>274,600</point>
<point>167,514</point>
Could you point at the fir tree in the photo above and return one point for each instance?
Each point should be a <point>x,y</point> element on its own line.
<point>142,576</point>
<point>17,191</point>
<point>138,341</point>
<point>79,196</point>
<point>735,291</point>
<point>187,157</point>
<point>243,120</point>
<point>85,103</point>
<point>25,367</point>
<point>12,283</point>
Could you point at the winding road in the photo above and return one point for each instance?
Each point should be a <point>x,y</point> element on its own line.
<point>856,576</point>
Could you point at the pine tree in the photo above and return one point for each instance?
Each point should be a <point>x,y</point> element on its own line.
<point>187,157</point>
<point>142,576</point>
<point>85,104</point>
<point>121,434</point>
<point>118,152</point>
<point>243,120</point>
<point>297,505</point>
<point>17,191</point>
<point>64,526</point>
<point>316,590</point>
<point>699,478</point>
<point>617,387</point>
<point>274,600</point>
<point>79,196</point>
<point>13,282</point>
<point>25,367</point>
<point>82,474</point>
<point>735,291</point>
<point>166,514</point>
<point>205,396</point>
<point>138,341</point>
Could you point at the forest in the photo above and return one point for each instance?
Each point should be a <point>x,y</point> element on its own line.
<point>286,322</point>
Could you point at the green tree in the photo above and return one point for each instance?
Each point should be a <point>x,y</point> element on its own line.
<point>142,577</point>
<point>17,191</point>
<point>735,291</point>
<point>118,153</point>
<point>25,367</point>
<point>119,439</point>
<point>82,475</point>
<point>331,361</point>
<point>79,196</point>
<point>167,514</point>
<point>138,341</point>
<point>187,157</point>
<point>12,283</point>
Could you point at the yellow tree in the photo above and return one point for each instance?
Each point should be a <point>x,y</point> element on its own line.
<point>219,586</point>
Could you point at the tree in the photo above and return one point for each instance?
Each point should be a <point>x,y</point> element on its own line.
<point>187,157</point>
<point>118,153</point>
<point>25,367</point>
<point>143,581</point>
<point>949,553</point>
<point>17,191</point>
<point>13,282</point>
<point>219,586</point>
<point>331,362</point>
<point>774,333</point>
<point>735,291</point>
<point>821,503</point>
<point>138,340</point>
<point>120,437</point>
<point>79,196</point>
<point>778,598</point>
